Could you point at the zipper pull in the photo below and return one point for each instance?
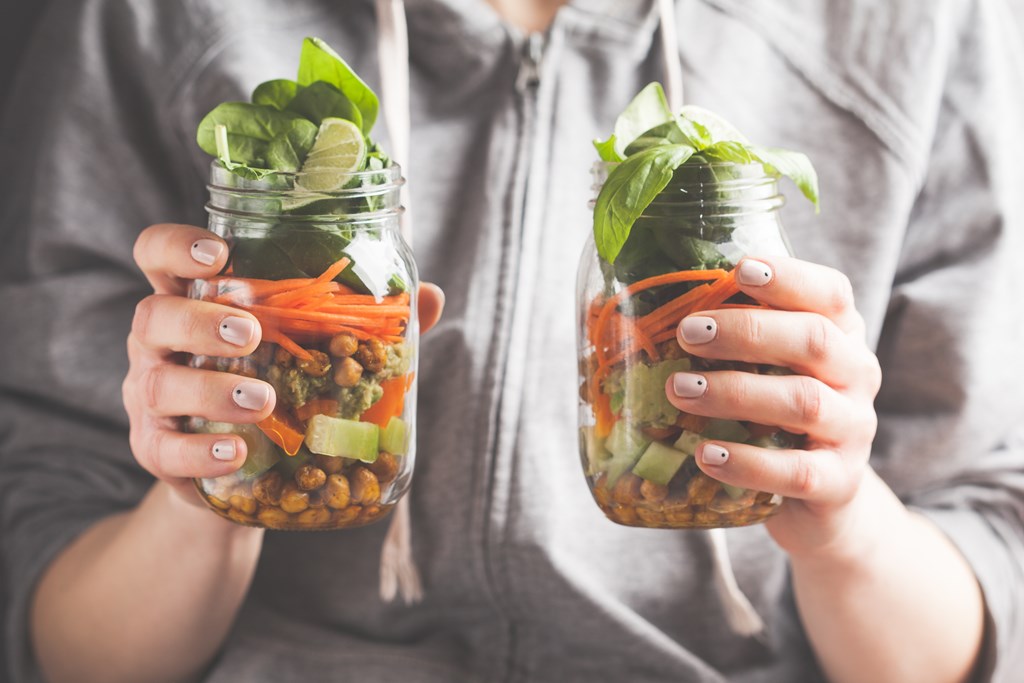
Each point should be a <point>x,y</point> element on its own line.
<point>529,69</point>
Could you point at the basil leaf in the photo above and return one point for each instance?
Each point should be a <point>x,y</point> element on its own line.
<point>606,150</point>
<point>318,62</point>
<point>322,100</point>
<point>629,190</point>
<point>250,128</point>
<point>719,130</point>
<point>730,151</point>
<point>795,166</point>
<point>647,110</point>
<point>276,94</point>
<point>678,131</point>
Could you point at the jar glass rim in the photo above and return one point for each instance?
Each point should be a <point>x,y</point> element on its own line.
<point>357,183</point>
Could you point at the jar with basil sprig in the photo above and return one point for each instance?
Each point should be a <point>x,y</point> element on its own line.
<point>682,198</point>
<point>309,206</point>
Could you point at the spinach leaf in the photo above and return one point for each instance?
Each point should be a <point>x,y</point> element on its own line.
<point>276,94</point>
<point>318,62</point>
<point>647,110</point>
<point>322,100</point>
<point>794,165</point>
<point>630,188</point>
<point>250,128</point>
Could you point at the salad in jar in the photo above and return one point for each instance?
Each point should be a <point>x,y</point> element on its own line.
<point>309,207</point>
<point>683,197</point>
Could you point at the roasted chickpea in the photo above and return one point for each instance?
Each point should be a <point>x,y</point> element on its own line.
<point>653,518</point>
<point>365,487</point>
<point>267,489</point>
<point>348,373</point>
<point>310,477</point>
<point>371,513</point>
<point>236,515</point>
<point>707,518</point>
<point>337,494</point>
<point>627,489</point>
<point>343,345</point>
<point>330,464</point>
<point>243,504</point>
<point>346,516</point>
<point>272,517</point>
<point>218,503</point>
<point>680,516</point>
<point>624,514</point>
<point>386,467</point>
<point>372,355</point>
<point>314,517</point>
<point>317,366</point>
<point>292,499</point>
<point>655,493</point>
<point>701,490</point>
<point>283,358</point>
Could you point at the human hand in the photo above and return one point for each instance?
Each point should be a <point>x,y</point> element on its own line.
<point>159,387</point>
<point>813,329</point>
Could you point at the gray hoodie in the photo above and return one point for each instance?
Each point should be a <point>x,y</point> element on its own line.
<point>911,112</point>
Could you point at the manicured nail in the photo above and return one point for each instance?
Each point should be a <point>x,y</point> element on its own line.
<point>224,450</point>
<point>712,454</point>
<point>698,329</point>
<point>237,331</point>
<point>754,273</point>
<point>689,385</point>
<point>207,251</point>
<point>251,395</point>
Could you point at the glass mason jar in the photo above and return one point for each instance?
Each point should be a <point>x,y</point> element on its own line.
<point>637,449</point>
<point>334,288</point>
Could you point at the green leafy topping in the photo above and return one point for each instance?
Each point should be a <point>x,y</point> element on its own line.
<point>651,144</point>
<point>277,93</point>
<point>318,62</point>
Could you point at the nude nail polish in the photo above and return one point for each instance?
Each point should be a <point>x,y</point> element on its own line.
<point>698,329</point>
<point>251,395</point>
<point>237,331</point>
<point>689,385</point>
<point>754,273</point>
<point>224,450</point>
<point>713,454</point>
<point>206,252</point>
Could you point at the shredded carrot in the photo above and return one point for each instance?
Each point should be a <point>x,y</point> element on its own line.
<point>282,430</point>
<point>334,270</point>
<point>671,313</point>
<point>286,343</point>
<point>692,423</point>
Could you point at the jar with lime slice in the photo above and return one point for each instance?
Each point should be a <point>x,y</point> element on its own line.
<point>682,198</point>
<point>310,210</point>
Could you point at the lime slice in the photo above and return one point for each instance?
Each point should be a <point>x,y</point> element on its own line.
<point>338,151</point>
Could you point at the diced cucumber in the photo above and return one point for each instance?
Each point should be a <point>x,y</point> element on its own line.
<point>626,441</point>
<point>659,463</point>
<point>395,437</point>
<point>734,492</point>
<point>626,444</point>
<point>725,430</point>
<point>615,401</point>
<point>261,452</point>
<point>338,437</point>
<point>688,442</point>
<point>594,449</point>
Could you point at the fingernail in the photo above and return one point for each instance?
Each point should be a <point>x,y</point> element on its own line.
<point>698,329</point>
<point>207,251</point>
<point>713,454</point>
<point>754,273</point>
<point>237,331</point>
<point>689,385</point>
<point>224,450</point>
<point>251,395</point>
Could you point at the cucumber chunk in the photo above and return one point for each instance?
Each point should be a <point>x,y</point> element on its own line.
<point>726,430</point>
<point>261,452</point>
<point>626,444</point>
<point>338,437</point>
<point>395,437</point>
<point>688,442</point>
<point>659,463</point>
<point>734,492</point>
<point>595,451</point>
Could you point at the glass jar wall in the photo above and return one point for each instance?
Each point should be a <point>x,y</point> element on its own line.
<point>334,287</point>
<point>637,449</point>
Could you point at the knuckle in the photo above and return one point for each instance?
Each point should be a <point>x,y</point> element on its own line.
<point>753,330</point>
<point>805,477</point>
<point>842,293</point>
<point>142,321</point>
<point>872,373</point>
<point>809,401</point>
<point>154,386</point>
<point>818,342</point>
<point>142,242</point>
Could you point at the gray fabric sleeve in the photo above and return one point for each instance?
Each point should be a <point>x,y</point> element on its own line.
<point>94,165</point>
<point>953,389</point>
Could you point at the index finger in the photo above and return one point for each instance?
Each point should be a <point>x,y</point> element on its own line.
<point>790,284</point>
<point>170,255</point>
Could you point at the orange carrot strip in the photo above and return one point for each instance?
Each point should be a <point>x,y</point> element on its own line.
<point>319,406</point>
<point>334,270</point>
<point>298,294</point>
<point>672,312</point>
<point>280,338</point>
<point>312,316</point>
<point>390,404</point>
<point>282,430</point>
